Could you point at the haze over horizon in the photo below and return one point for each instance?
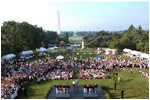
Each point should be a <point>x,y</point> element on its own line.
<point>77,16</point>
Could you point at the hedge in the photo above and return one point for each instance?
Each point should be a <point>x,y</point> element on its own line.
<point>45,96</point>
<point>106,92</point>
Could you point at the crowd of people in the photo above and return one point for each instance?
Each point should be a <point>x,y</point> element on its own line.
<point>16,76</point>
<point>90,89</point>
<point>97,68</point>
<point>92,74</point>
<point>62,89</point>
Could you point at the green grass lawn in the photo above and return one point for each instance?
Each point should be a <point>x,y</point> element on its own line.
<point>134,85</point>
<point>76,39</point>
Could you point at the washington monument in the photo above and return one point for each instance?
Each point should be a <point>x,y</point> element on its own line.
<point>58,22</point>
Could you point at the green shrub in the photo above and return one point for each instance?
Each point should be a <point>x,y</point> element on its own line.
<point>107,96</point>
<point>106,92</point>
<point>45,96</point>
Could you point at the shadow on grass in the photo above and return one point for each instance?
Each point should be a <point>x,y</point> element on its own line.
<point>128,80</point>
<point>132,96</point>
<point>106,89</point>
<point>30,92</point>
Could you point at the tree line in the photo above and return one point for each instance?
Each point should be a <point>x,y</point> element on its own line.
<point>132,38</point>
<point>17,37</point>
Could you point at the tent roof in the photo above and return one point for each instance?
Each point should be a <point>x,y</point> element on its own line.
<point>137,53</point>
<point>52,45</point>
<point>75,45</point>
<point>144,55</point>
<point>9,56</point>
<point>27,52</point>
<point>127,50</point>
<point>60,57</point>
<point>52,48</point>
<point>42,49</point>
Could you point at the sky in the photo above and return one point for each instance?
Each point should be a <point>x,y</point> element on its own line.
<point>77,16</point>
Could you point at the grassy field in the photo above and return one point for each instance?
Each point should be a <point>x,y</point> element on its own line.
<point>134,85</point>
<point>76,39</point>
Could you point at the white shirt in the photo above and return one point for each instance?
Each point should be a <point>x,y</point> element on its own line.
<point>73,82</point>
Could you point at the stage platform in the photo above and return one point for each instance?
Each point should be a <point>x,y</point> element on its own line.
<point>77,94</point>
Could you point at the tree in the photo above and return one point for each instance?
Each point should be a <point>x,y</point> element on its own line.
<point>135,39</point>
<point>17,37</point>
<point>97,40</point>
<point>140,46</point>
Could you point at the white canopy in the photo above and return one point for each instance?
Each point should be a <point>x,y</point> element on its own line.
<point>52,48</point>
<point>42,49</point>
<point>137,53</point>
<point>60,57</point>
<point>107,51</point>
<point>75,45</point>
<point>9,56</point>
<point>144,55</point>
<point>27,52</point>
<point>127,50</point>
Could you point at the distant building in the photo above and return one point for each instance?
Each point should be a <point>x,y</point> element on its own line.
<point>74,34</point>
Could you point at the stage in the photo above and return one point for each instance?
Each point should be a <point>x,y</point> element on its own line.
<point>76,94</point>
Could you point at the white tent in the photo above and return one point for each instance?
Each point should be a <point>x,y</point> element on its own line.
<point>136,53</point>
<point>42,49</point>
<point>144,55</point>
<point>60,57</point>
<point>52,48</point>
<point>75,45</point>
<point>9,56</point>
<point>27,52</point>
<point>113,51</point>
<point>127,50</point>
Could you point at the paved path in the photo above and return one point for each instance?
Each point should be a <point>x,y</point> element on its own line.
<point>76,94</point>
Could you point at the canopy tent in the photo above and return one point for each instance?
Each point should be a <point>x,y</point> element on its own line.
<point>9,56</point>
<point>27,52</point>
<point>136,53</point>
<point>75,45</point>
<point>52,48</point>
<point>127,50</point>
<point>111,51</point>
<point>60,57</point>
<point>144,55</point>
<point>52,45</point>
<point>42,49</point>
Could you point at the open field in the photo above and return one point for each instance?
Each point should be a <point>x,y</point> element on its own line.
<point>134,85</point>
<point>76,39</point>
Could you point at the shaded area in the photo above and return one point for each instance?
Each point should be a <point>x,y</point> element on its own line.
<point>77,94</point>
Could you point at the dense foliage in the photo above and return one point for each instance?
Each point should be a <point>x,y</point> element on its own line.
<point>17,37</point>
<point>78,33</point>
<point>133,38</point>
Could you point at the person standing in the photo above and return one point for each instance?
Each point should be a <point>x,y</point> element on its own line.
<point>118,78</point>
<point>131,71</point>
<point>76,82</point>
<point>122,93</point>
<point>115,84</point>
<point>25,91</point>
<point>73,84</point>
